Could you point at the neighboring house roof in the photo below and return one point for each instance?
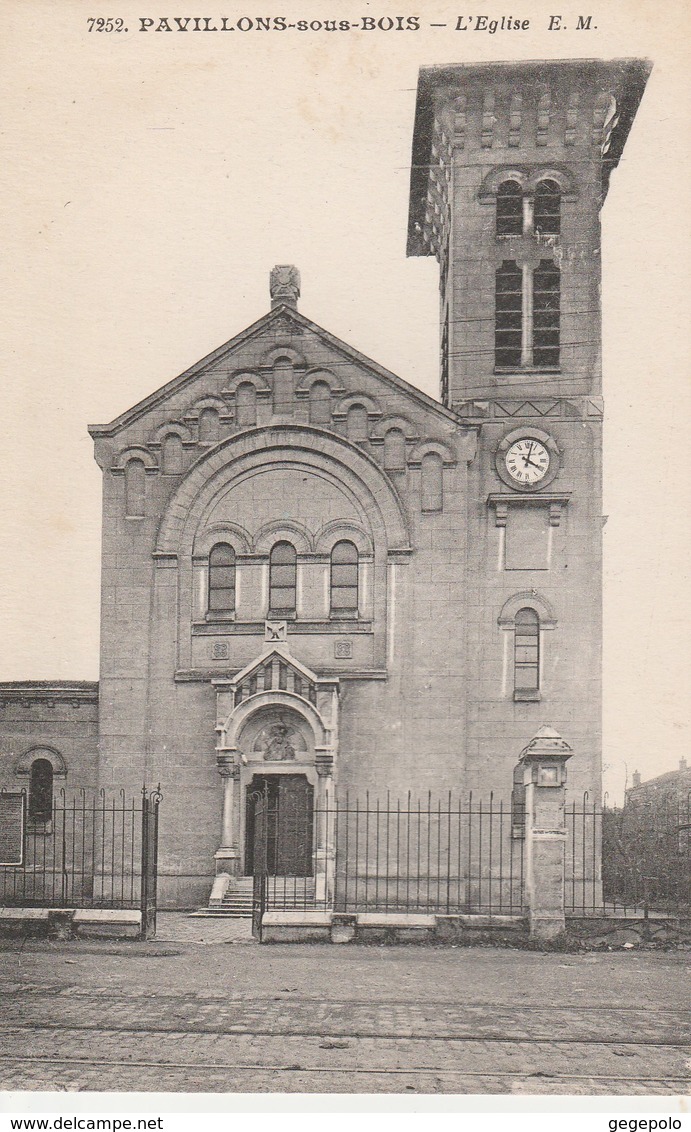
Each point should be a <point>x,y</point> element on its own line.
<point>679,778</point>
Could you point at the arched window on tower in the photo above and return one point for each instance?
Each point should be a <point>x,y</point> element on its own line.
<point>171,455</point>
<point>246,404</point>
<point>320,403</point>
<point>431,482</point>
<point>356,423</point>
<point>222,579</point>
<point>546,314</point>
<point>509,209</point>
<point>135,488</point>
<point>526,654</point>
<point>394,450</point>
<point>344,579</point>
<point>508,324</point>
<point>41,791</point>
<point>208,426</point>
<point>282,579</point>
<point>547,209</point>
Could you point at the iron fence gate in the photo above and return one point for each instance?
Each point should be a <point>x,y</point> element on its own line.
<point>95,851</point>
<point>405,856</point>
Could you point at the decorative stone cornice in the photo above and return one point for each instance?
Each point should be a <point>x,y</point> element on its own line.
<point>44,691</point>
<point>501,502</point>
<point>534,408</point>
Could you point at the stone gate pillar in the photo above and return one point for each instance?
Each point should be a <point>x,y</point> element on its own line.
<point>543,763</point>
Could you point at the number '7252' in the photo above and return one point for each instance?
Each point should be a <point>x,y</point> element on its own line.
<point>101,23</point>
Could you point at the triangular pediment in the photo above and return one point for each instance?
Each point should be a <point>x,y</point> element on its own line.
<point>283,326</point>
<point>276,670</point>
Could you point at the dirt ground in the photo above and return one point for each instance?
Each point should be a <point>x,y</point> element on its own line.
<point>204,1008</point>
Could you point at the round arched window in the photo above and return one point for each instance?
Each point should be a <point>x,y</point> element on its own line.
<point>41,791</point>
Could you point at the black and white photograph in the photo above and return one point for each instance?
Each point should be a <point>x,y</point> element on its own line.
<point>344,587</point>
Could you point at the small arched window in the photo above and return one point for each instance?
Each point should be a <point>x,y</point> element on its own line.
<point>344,579</point>
<point>320,403</point>
<point>509,209</point>
<point>135,490</point>
<point>208,426</point>
<point>222,578</point>
<point>508,326</point>
<point>41,791</point>
<point>246,404</point>
<point>432,487</point>
<point>526,665</point>
<point>171,455</point>
<point>356,423</point>
<point>394,450</point>
<point>282,579</point>
<point>547,211</point>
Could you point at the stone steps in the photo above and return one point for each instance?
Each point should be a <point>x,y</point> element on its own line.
<point>292,893</point>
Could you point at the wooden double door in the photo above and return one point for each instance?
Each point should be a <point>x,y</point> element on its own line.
<point>279,825</point>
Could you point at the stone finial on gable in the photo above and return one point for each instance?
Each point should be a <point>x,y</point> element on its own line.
<point>284,285</point>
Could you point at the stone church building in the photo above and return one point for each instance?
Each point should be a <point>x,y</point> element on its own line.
<point>316,578</point>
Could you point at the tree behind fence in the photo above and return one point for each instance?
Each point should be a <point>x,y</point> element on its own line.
<point>645,849</point>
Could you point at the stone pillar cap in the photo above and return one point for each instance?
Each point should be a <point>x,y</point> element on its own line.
<point>547,743</point>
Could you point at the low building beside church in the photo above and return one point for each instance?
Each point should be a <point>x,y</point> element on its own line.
<point>318,581</point>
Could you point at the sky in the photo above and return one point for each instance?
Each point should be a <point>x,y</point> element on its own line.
<point>149,183</point>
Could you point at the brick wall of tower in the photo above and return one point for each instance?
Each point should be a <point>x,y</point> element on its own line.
<point>478,125</point>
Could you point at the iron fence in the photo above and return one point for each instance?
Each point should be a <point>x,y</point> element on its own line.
<point>95,851</point>
<point>632,859</point>
<point>397,855</point>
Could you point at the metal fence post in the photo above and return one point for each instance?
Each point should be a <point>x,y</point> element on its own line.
<point>149,862</point>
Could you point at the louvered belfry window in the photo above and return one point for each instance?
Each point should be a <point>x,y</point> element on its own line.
<point>510,209</point>
<point>282,578</point>
<point>527,318</point>
<point>508,329</point>
<point>547,208</point>
<point>546,314</point>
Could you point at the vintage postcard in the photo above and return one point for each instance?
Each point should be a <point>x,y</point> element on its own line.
<point>342,699</point>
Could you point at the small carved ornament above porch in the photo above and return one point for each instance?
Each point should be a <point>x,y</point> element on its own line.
<point>278,742</point>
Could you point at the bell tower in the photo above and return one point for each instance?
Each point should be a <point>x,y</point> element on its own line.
<point>511,165</point>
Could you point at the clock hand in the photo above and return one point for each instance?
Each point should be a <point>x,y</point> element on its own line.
<point>532,463</point>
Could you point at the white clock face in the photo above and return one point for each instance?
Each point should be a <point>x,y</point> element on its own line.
<point>527,461</point>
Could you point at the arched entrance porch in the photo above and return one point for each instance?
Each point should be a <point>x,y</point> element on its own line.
<point>277,724</point>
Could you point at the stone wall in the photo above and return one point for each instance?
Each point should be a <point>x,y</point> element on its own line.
<point>53,720</point>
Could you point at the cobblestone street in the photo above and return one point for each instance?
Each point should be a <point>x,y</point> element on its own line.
<point>204,1008</point>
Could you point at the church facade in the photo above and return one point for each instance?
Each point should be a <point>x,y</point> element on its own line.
<point>319,581</point>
